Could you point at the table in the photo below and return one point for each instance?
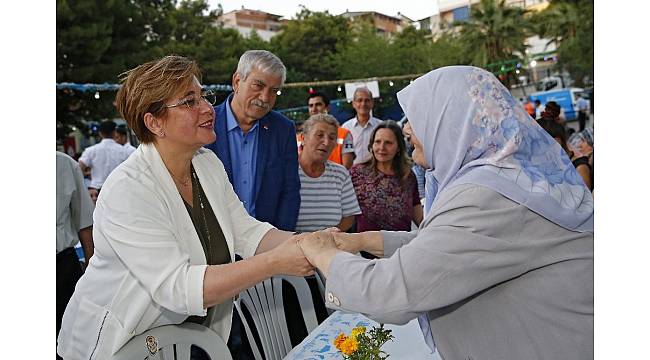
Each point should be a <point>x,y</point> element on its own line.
<point>407,344</point>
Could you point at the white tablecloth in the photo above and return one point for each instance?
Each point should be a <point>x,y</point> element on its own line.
<point>407,344</point>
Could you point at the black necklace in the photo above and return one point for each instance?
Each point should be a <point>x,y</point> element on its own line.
<point>202,211</point>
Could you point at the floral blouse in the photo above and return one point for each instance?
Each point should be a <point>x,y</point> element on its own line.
<point>385,203</point>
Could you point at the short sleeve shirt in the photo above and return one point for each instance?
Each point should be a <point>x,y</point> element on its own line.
<point>325,200</point>
<point>361,136</point>
<point>74,208</point>
<point>102,159</point>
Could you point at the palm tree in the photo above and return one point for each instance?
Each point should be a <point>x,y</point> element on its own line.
<point>494,32</point>
<point>570,25</point>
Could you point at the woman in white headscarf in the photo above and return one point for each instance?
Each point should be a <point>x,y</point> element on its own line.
<point>502,266</point>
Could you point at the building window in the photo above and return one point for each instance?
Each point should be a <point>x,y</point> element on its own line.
<point>461,14</point>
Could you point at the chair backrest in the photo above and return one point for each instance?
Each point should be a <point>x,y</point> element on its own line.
<point>264,302</point>
<point>174,342</point>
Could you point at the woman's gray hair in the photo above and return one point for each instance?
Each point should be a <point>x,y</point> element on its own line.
<point>319,118</point>
<point>262,60</point>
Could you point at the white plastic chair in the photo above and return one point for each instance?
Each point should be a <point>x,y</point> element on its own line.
<point>173,342</point>
<point>265,304</point>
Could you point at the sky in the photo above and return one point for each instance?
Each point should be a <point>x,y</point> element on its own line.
<point>413,9</point>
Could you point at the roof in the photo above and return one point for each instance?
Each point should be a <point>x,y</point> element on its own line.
<point>361,13</point>
<point>251,10</point>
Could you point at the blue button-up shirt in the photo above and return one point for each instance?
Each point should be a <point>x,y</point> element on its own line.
<point>243,157</point>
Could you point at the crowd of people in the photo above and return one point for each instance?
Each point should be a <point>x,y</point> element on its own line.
<point>218,197</point>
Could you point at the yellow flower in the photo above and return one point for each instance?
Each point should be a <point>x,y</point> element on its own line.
<point>349,346</point>
<point>339,340</point>
<point>357,330</point>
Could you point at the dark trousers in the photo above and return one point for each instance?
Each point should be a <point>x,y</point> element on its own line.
<point>68,272</point>
<point>582,119</point>
<point>238,344</point>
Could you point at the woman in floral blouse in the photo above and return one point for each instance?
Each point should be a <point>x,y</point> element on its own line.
<point>386,188</point>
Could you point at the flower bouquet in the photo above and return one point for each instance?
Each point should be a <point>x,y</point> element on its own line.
<point>362,345</point>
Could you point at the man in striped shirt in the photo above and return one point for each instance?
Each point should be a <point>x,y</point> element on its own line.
<point>327,197</point>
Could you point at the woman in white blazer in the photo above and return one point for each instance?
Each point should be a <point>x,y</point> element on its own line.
<point>167,225</point>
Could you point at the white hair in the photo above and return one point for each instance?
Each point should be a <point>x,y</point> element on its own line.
<point>319,118</point>
<point>262,60</point>
<point>362,88</point>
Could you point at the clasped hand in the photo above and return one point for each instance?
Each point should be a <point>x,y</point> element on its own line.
<point>320,247</point>
<point>317,249</point>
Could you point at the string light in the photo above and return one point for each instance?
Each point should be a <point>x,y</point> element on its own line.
<point>390,83</point>
<point>97,95</point>
<point>338,88</point>
<point>279,92</point>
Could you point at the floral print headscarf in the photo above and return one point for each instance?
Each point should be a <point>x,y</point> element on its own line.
<point>473,131</point>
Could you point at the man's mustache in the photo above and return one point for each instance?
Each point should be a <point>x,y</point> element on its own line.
<point>261,104</point>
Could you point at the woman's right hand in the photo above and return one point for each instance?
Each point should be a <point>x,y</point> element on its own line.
<point>289,259</point>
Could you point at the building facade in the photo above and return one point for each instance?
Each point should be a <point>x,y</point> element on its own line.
<point>385,25</point>
<point>246,21</point>
<point>458,10</point>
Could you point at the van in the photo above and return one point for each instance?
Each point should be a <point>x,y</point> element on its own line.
<point>566,98</point>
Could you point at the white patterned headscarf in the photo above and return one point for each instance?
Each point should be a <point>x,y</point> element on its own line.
<point>473,131</point>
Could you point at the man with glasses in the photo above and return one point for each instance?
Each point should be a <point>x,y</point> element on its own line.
<point>362,125</point>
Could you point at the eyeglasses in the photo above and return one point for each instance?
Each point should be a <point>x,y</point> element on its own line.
<point>209,96</point>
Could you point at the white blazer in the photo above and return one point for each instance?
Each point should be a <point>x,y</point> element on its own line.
<point>148,265</point>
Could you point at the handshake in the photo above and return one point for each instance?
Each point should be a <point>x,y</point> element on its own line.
<point>301,254</point>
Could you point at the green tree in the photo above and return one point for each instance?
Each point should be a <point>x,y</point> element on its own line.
<point>308,44</point>
<point>308,47</point>
<point>570,24</point>
<point>255,42</point>
<point>83,35</point>
<point>194,33</point>
<point>446,50</point>
<point>494,32</point>
<point>415,53</point>
<point>97,41</point>
<point>367,55</point>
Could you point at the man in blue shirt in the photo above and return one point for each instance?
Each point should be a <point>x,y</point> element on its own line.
<point>583,112</point>
<point>258,150</point>
<point>257,146</point>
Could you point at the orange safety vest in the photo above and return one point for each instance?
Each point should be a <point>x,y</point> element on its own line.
<point>530,109</point>
<point>299,139</point>
<point>337,153</point>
